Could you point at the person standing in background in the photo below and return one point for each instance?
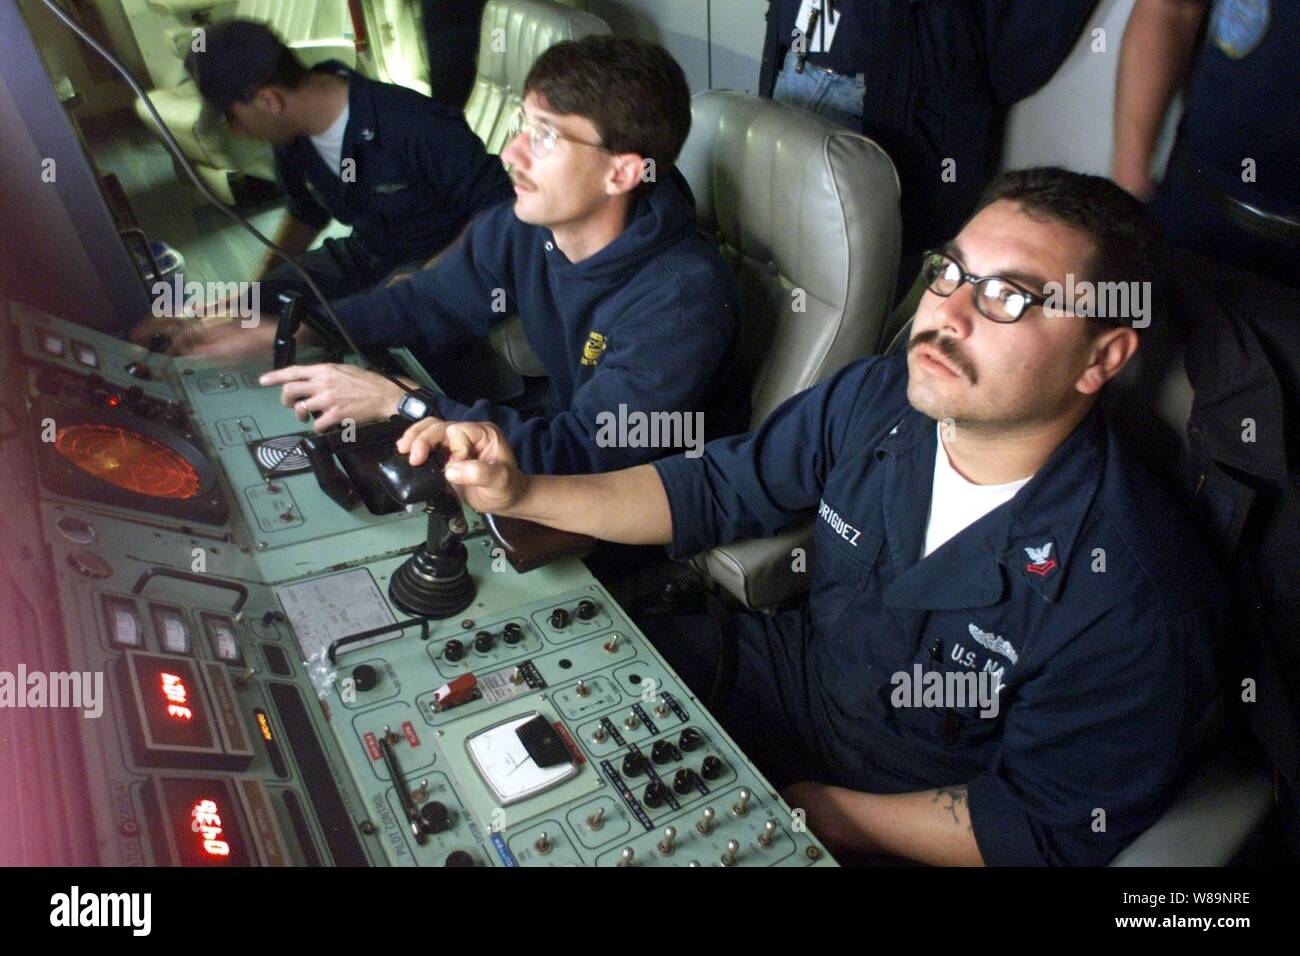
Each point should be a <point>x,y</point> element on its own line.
<point>1231,189</point>
<point>929,82</point>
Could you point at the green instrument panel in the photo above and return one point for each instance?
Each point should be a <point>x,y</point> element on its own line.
<point>240,729</point>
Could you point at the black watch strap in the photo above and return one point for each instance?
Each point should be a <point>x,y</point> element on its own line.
<point>417,404</point>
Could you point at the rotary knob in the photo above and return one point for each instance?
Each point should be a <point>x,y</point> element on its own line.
<point>559,619</point>
<point>483,642</point>
<point>633,764</point>
<point>662,752</point>
<point>685,780</point>
<point>435,816</point>
<point>364,677</point>
<point>712,768</point>
<point>655,794</point>
<point>585,610</point>
<point>512,633</point>
<point>459,858</point>
<point>453,650</point>
<point>690,739</point>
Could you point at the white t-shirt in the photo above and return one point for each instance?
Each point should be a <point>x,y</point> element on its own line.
<point>330,143</point>
<point>956,503</point>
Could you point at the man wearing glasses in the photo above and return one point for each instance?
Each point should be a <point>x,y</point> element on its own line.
<point>630,310</point>
<point>978,527</point>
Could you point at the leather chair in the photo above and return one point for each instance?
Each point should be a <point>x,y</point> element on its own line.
<point>314,30</point>
<point>514,34</point>
<point>806,213</point>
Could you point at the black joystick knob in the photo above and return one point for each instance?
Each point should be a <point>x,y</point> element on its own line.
<point>433,582</point>
<point>663,752</point>
<point>559,619</point>
<point>685,780</point>
<point>712,768</point>
<point>585,610</point>
<point>453,650</point>
<point>483,642</point>
<point>690,739</point>
<point>655,794</point>
<point>435,816</point>
<point>364,677</point>
<point>459,858</point>
<point>633,764</point>
<point>512,633</point>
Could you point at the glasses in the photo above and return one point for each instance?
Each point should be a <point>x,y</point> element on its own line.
<point>542,137</point>
<point>998,299</point>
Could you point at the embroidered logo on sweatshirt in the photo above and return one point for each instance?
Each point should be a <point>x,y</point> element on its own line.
<point>594,348</point>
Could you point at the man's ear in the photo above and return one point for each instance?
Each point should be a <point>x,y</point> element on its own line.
<point>1107,354</point>
<point>269,100</point>
<point>626,173</point>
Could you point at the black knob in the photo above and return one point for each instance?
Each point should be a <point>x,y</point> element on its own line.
<point>633,764</point>
<point>685,780</point>
<point>139,370</point>
<point>459,858</point>
<point>559,619</point>
<point>435,816</point>
<point>712,768</point>
<point>483,642</point>
<point>585,610</point>
<point>655,794</point>
<point>364,677</point>
<point>159,342</point>
<point>664,752</point>
<point>690,739</point>
<point>453,650</point>
<point>512,633</point>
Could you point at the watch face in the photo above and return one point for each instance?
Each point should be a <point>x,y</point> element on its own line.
<point>414,407</point>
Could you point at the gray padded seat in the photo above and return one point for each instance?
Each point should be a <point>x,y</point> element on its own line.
<point>795,203</point>
<point>514,34</point>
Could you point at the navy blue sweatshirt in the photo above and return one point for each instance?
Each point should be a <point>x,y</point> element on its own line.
<point>1087,597</point>
<point>646,325</point>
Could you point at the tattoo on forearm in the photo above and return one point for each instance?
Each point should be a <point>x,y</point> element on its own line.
<point>951,798</point>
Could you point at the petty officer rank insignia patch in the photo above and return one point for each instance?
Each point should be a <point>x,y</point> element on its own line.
<point>594,348</point>
<point>1041,561</point>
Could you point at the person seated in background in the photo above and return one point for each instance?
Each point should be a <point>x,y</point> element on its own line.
<point>1230,189</point>
<point>1010,631</point>
<point>405,172</point>
<point>631,311</point>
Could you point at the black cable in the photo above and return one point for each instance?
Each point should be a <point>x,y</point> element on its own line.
<point>174,148</point>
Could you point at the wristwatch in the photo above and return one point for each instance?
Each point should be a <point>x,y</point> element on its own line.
<point>416,405</point>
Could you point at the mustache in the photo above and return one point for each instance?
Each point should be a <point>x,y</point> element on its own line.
<point>948,349</point>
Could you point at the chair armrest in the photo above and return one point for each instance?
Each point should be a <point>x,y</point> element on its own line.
<point>1210,819</point>
<point>509,341</point>
<point>762,572</point>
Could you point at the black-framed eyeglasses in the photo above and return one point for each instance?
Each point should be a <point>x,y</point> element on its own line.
<point>996,298</point>
<point>542,136</point>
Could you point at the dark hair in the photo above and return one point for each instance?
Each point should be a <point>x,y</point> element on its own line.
<point>1126,239</point>
<point>240,57</point>
<point>633,91</point>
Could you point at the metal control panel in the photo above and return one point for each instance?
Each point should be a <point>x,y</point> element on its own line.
<point>245,724</point>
